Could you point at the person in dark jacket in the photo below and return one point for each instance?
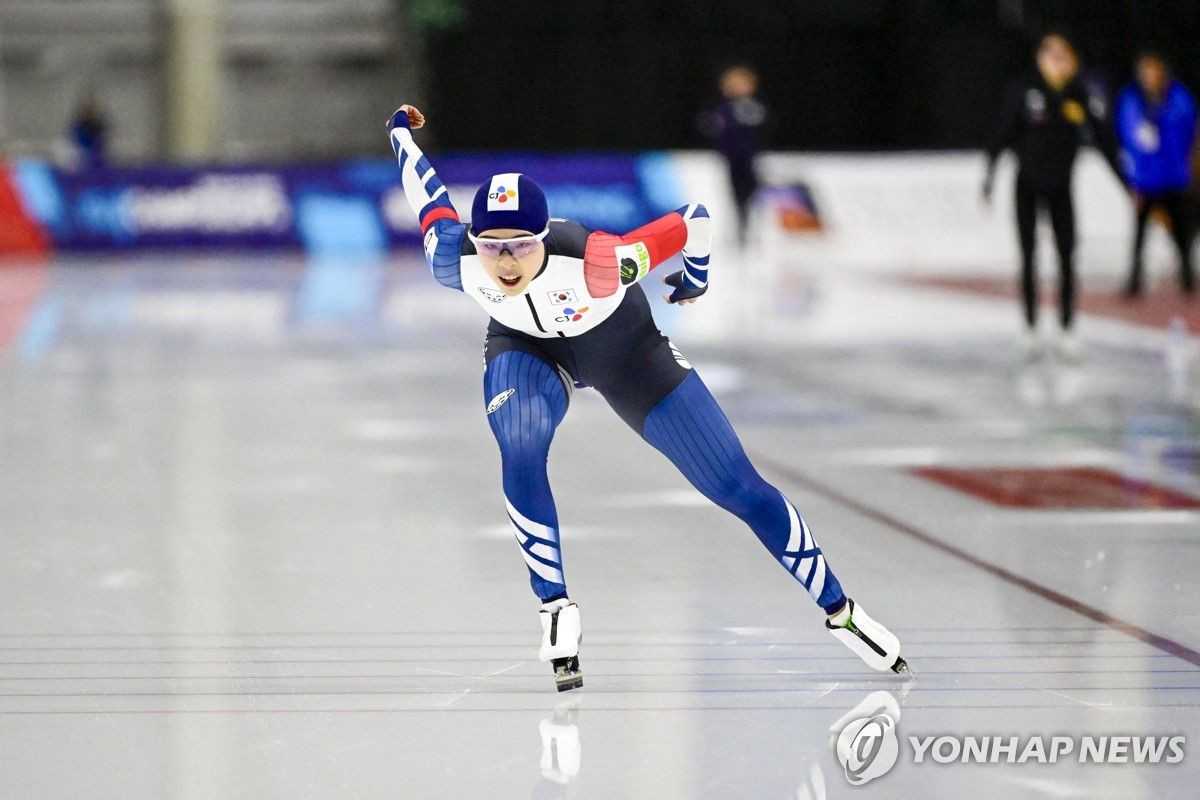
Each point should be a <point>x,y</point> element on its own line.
<point>89,133</point>
<point>1156,124</point>
<point>1046,118</point>
<point>737,127</point>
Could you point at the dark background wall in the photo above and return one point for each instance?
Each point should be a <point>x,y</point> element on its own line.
<point>837,74</point>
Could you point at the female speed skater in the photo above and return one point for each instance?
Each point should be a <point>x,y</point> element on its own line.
<point>567,311</point>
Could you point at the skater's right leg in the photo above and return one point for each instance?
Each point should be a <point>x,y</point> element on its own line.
<point>1026,213</point>
<point>1026,207</point>
<point>527,398</point>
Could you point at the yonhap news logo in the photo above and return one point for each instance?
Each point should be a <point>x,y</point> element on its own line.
<point>869,746</point>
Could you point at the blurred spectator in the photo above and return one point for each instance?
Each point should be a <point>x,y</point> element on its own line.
<point>1156,123</point>
<point>1046,118</point>
<point>737,127</point>
<point>89,133</point>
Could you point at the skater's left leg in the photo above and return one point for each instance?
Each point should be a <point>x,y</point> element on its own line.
<point>689,428</point>
<point>1062,219</point>
<point>653,388</point>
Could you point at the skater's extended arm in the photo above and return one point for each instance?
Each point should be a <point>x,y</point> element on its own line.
<point>611,259</point>
<point>428,197</point>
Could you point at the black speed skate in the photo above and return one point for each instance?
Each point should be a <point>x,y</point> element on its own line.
<point>567,674</point>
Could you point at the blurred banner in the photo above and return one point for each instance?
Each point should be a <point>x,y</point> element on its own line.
<point>877,211</point>
<point>19,230</point>
<point>351,205</point>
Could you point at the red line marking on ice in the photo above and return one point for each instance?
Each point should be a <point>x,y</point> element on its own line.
<point>1156,308</point>
<point>1168,646</point>
<point>1056,487</point>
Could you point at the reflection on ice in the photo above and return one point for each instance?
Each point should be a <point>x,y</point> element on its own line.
<point>562,751</point>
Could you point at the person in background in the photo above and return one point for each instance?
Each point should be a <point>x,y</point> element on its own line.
<point>89,133</point>
<point>1046,118</point>
<point>737,128</point>
<point>1156,125</point>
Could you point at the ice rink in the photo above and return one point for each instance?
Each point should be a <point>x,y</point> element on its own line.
<point>255,543</point>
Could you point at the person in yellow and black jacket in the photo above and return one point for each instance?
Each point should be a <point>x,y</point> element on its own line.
<point>1047,117</point>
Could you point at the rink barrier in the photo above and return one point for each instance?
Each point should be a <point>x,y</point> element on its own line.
<point>889,212</point>
<point>357,205</point>
<point>20,231</point>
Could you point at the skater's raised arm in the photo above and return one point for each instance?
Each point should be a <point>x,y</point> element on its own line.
<point>427,195</point>
<point>610,258</point>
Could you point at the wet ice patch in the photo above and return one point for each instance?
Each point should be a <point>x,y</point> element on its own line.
<point>394,465</point>
<point>121,579</point>
<point>390,430</point>
<point>674,497</point>
<point>504,531</point>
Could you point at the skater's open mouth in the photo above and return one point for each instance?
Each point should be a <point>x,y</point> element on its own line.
<point>509,280</point>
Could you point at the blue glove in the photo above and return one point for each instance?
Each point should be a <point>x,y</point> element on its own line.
<point>682,290</point>
<point>398,120</point>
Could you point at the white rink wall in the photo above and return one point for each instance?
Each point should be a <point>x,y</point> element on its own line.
<point>888,217</point>
<point>923,213</point>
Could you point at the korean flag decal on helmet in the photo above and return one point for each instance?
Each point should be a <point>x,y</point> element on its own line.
<point>500,400</point>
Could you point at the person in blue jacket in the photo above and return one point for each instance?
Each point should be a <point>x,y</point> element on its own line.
<point>1156,124</point>
<point>89,132</point>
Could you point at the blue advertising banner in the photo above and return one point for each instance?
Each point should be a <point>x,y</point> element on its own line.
<point>352,205</point>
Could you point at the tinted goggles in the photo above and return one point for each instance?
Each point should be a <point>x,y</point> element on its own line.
<point>518,246</point>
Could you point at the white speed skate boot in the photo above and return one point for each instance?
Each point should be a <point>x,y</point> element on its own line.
<point>561,635</point>
<point>872,642</point>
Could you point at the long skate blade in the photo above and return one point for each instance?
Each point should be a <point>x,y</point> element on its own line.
<point>901,668</point>
<point>571,682</point>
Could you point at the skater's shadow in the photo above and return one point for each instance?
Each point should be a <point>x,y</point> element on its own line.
<point>562,751</point>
